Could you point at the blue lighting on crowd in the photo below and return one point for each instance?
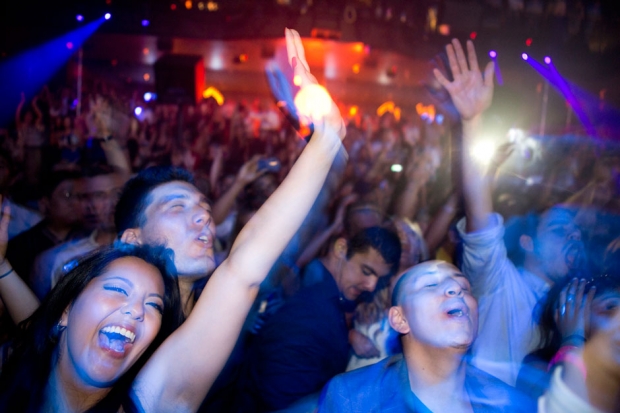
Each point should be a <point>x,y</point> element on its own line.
<point>28,74</point>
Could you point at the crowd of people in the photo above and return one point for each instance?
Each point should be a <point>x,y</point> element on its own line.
<point>209,258</point>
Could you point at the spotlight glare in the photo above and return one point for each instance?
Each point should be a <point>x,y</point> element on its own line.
<point>137,111</point>
<point>107,16</point>
<point>145,23</point>
<point>493,54</point>
<point>79,17</point>
<point>524,56</point>
<point>483,151</point>
<point>313,101</point>
<point>148,96</point>
<point>69,45</point>
<point>547,60</point>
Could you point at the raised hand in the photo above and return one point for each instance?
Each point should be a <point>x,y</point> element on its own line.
<point>573,313</point>
<point>297,60</point>
<point>470,92</point>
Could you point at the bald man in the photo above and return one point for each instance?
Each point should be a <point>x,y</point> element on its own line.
<point>437,318</point>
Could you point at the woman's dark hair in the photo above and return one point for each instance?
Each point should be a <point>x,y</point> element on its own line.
<point>26,374</point>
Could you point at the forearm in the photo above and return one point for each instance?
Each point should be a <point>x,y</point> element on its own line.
<point>18,298</point>
<point>438,228</point>
<point>407,205</point>
<point>116,157</point>
<point>313,248</point>
<point>476,185</point>
<point>222,207</point>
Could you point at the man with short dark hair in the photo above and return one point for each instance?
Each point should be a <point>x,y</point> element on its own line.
<point>437,317</point>
<point>306,342</point>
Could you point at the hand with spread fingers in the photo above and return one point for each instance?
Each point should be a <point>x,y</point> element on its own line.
<point>471,93</point>
<point>297,60</point>
<point>572,315</point>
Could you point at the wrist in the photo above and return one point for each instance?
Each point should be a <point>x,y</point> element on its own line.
<point>575,340</point>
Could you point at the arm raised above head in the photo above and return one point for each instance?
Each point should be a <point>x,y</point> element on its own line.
<point>471,94</point>
<point>193,356</point>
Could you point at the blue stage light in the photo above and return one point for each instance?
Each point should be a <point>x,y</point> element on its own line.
<point>79,18</point>
<point>524,56</point>
<point>107,16</point>
<point>137,111</point>
<point>145,23</point>
<point>492,54</point>
<point>148,96</point>
<point>547,60</point>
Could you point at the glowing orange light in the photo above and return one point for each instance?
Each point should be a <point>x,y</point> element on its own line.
<point>188,4</point>
<point>146,77</point>
<point>528,41</point>
<point>243,58</point>
<point>444,29</point>
<point>358,47</point>
<point>389,106</point>
<point>212,92</point>
<point>427,112</point>
<point>145,51</point>
<point>356,68</point>
<point>297,80</point>
<point>353,111</point>
<point>313,101</point>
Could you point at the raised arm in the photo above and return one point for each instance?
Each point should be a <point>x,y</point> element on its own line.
<point>471,94</point>
<point>18,298</point>
<point>182,370</point>
<point>18,111</point>
<point>248,173</point>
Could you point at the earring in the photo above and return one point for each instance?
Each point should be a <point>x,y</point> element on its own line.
<point>60,328</point>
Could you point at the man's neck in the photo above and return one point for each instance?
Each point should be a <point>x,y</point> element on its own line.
<point>437,377</point>
<point>59,231</point>
<point>186,290</point>
<point>532,265</point>
<point>105,237</point>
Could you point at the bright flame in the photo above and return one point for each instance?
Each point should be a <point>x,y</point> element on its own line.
<point>212,92</point>
<point>353,110</point>
<point>483,151</point>
<point>313,101</point>
<point>297,80</point>
<point>356,68</point>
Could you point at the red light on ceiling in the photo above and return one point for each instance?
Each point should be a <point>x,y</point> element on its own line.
<point>173,6</point>
<point>528,41</point>
<point>473,35</point>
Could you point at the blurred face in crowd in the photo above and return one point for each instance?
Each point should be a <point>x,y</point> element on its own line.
<point>179,216</point>
<point>604,306</point>
<point>435,307</point>
<point>62,206</point>
<point>359,273</point>
<point>558,245</point>
<point>111,323</point>
<point>98,196</point>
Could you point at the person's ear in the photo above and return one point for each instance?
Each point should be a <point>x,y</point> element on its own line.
<point>397,320</point>
<point>340,248</point>
<point>526,242</point>
<point>132,236</point>
<point>64,318</point>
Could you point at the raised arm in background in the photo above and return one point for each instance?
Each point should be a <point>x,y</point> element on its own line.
<point>179,374</point>
<point>18,298</point>
<point>471,94</point>
<point>247,174</point>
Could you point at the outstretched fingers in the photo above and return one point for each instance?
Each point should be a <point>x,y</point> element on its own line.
<point>460,56</point>
<point>471,56</point>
